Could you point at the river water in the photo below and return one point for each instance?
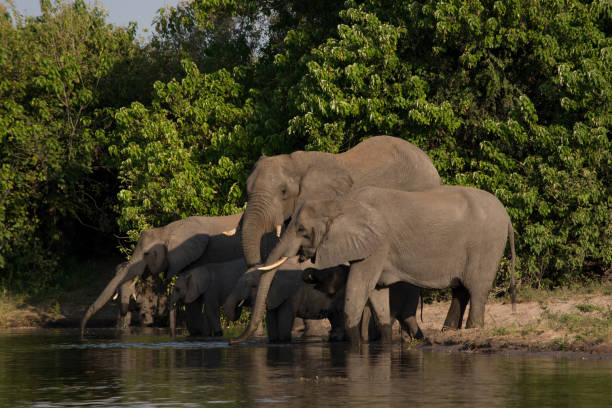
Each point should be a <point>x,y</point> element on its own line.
<point>55,368</point>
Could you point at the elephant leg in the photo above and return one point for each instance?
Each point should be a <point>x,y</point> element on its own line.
<point>379,300</point>
<point>194,319</point>
<point>410,325</point>
<point>336,318</point>
<point>361,282</point>
<point>454,317</point>
<point>366,319</point>
<point>286,316</point>
<point>212,313</point>
<point>124,319</point>
<point>298,325</point>
<point>477,307</point>
<point>272,326</point>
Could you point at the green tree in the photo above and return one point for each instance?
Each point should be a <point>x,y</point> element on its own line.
<point>56,179</point>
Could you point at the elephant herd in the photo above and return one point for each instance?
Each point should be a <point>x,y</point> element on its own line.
<point>336,236</point>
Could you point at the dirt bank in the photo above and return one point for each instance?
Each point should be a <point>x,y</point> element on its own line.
<point>570,322</point>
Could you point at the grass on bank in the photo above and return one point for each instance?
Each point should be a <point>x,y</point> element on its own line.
<point>587,324</point>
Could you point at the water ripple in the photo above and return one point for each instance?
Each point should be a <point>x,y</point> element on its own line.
<point>148,346</point>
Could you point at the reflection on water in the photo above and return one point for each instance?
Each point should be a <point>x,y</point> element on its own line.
<point>56,369</point>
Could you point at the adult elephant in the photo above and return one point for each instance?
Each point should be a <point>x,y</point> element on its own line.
<point>169,250</point>
<point>211,284</point>
<point>278,185</point>
<point>289,298</point>
<point>443,237</point>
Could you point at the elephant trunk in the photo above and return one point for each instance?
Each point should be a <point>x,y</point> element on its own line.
<point>258,309</point>
<point>285,248</point>
<point>124,273</point>
<point>256,222</point>
<point>172,316</point>
<point>231,309</point>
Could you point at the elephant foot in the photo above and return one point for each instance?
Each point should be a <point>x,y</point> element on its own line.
<point>218,334</point>
<point>386,334</point>
<point>353,335</point>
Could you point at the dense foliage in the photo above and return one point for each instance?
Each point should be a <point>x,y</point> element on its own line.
<point>100,132</point>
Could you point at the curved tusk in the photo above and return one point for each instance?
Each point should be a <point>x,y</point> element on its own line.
<point>116,295</point>
<point>274,265</point>
<point>230,232</point>
<point>241,303</point>
<point>278,230</point>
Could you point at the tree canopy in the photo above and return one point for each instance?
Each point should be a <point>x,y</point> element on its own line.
<point>100,132</point>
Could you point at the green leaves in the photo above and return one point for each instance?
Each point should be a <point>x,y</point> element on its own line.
<point>184,155</point>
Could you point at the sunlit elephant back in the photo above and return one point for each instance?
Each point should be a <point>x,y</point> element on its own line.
<point>279,184</point>
<point>172,248</point>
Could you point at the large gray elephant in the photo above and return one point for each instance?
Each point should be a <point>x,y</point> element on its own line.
<point>278,185</point>
<point>439,238</point>
<point>403,301</point>
<point>289,298</point>
<point>170,249</point>
<point>212,283</point>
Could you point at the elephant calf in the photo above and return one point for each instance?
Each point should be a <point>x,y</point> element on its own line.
<point>289,297</point>
<point>403,301</point>
<point>208,285</point>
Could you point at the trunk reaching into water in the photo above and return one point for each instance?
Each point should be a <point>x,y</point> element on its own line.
<point>104,297</point>
<point>125,273</point>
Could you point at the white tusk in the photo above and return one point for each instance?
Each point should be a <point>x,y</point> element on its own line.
<point>274,265</point>
<point>278,230</point>
<point>241,303</point>
<point>116,295</point>
<point>134,296</point>
<point>230,232</point>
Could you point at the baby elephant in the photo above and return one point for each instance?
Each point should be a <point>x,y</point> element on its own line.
<point>403,301</point>
<point>208,284</point>
<point>289,297</point>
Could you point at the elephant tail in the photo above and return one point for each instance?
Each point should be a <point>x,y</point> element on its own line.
<point>512,259</point>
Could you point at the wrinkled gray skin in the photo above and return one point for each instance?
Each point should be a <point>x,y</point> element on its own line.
<point>448,236</point>
<point>289,298</point>
<point>169,250</point>
<point>279,185</point>
<point>212,283</point>
<point>403,302</point>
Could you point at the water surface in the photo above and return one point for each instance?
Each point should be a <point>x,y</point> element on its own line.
<point>55,368</point>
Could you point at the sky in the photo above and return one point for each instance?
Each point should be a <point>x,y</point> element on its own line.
<point>120,12</point>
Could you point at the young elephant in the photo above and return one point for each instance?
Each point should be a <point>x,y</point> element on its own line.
<point>438,238</point>
<point>289,297</point>
<point>403,301</point>
<point>208,284</point>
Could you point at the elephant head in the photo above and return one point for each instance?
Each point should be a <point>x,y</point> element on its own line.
<point>167,249</point>
<point>329,281</point>
<point>327,232</point>
<point>242,295</point>
<point>278,185</point>
<point>286,283</point>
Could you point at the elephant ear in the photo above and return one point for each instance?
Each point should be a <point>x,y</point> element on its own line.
<point>355,233</point>
<point>198,282</point>
<point>324,183</point>
<point>184,248</point>
<point>286,283</point>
